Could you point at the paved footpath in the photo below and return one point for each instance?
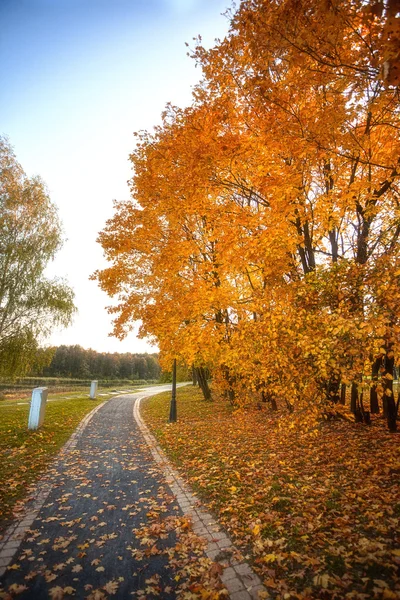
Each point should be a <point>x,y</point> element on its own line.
<point>113,519</point>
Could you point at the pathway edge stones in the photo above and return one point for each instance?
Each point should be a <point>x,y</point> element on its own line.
<point>15,533</point>
<point>238,577</point>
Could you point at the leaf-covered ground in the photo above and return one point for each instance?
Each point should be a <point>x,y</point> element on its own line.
<point>110,526</point>
<point>317,513</point>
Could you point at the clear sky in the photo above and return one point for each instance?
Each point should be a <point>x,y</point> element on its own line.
<point>77,78</point>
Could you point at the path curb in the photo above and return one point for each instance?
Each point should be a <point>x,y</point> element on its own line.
<point>238,577</point>
<point>14,535</point>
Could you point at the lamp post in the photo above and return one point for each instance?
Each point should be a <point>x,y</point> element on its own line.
<point>172,409</point>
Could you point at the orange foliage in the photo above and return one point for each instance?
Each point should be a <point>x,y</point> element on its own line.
<point>262,234</point>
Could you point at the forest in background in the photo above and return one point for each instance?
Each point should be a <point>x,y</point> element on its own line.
<point>80,363</point>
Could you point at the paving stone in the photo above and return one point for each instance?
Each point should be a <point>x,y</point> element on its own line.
<point>7,554</point>
<point>250,579</point>
<point>234,562</point>
<point>210,536</point>
<point>243,569</point>
<point>234,585</point>
<point>208,517</point>
<point>12,545</point>
<point>186,499</point>
<point>228,574</point>
<point>212,548</point>
<point>224,543</point>
<point>200,529</point>
<point>197,523</point>
<point>213,554</point>
<point>30,515</point>
<point>19,533</point>
<point>26,523</point>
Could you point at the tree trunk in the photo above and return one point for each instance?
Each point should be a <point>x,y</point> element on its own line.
<point>354,398</point>
<point>202,380</point>
<point>373,396</point>
<point>230,380</point>
<point>194,375</point>
<point>366,415</point>
<point>268,398</point>
<point>388,398</point>
<point>343,394</point>
<point>332,390</point>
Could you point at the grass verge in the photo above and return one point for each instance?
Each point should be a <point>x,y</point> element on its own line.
<point>24,454</point>
<point>317,513</point>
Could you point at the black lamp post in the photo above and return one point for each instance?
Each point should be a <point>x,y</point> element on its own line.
<point>172,410</point>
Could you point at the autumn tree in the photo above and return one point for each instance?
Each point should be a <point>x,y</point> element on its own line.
<point>310,82</point>
<point>262,235</point>
<point>30,235</point>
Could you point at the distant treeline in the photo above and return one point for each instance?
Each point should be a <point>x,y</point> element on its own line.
<point>76,362</point>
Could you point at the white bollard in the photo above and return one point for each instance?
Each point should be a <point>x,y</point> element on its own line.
<point>38,407</point>
<point>93,390</point>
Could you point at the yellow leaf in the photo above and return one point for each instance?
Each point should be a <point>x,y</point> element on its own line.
<point>111,587</point>
<point>269,558</point>
<point>389,595</point>
<point>15,588</point>
<point>56,593</point>
<point>69,590</point>
<point>77,568</point>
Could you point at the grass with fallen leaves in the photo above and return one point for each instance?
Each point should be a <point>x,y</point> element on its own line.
<point>24,454</point>
<point>317,512</point>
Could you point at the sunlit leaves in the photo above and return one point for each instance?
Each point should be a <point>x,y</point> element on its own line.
<point>262,237</point>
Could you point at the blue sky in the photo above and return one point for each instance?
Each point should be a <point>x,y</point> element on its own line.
<point>78,77</point>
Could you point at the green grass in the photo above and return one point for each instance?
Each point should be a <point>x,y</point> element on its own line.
<point>24,454</point>
<point>16,396</point>
<point>23,399</point>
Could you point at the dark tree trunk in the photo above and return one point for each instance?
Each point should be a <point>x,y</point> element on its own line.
<point>332,390</point>
<point>343,394</point>
<point>366,415</point>
<point>373,396</point>
<point>373,400</point>
<point>391,414</point>
<point>388,398</point>
<point>268,398</point>
<point>289,406</point>
<point>202,380</point>
<point>354,398</point>
<point>358,415</point>
<point>230,380</point>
